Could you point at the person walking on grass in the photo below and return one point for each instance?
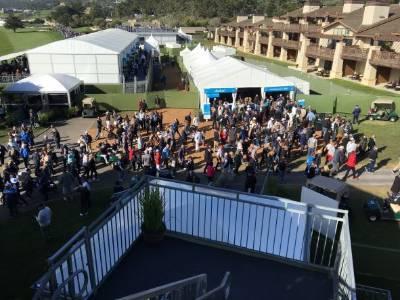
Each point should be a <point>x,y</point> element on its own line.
<point>67,182</point>
<point>356,114</point>
<point>44,219</point>
<point>99,127</point>
<point>85,201</point>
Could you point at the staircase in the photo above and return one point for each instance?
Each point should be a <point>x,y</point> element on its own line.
<point>193,288</point>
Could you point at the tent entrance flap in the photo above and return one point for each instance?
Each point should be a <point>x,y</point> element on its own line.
<point>226,97</point>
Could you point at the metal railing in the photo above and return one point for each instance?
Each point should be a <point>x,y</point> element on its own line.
<point>312,237</point>
<point>189,288</point>
<point>370,293</point>
<point>221,292</point>
<point>94,251</point>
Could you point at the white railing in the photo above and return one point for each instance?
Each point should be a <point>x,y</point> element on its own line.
<point>313,237</point>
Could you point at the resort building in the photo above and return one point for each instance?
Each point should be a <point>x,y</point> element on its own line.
<point>358,40</point>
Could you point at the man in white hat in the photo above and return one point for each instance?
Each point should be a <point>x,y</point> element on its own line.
<point>351,146</point>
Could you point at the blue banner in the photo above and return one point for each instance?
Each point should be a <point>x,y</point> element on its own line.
<point>220,91</point>
<point>212,95</point>
<point>207,111</point>
<point>289,88</point>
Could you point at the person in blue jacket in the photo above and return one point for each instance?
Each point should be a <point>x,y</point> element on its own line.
<point>24,153</point>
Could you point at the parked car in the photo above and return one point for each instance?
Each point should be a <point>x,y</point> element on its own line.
<point>384,110</point>
<point>89,108</point>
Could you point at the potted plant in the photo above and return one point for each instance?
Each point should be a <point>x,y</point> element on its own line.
<point>152,208</point>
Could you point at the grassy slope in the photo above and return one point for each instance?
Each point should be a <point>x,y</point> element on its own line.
<point>24,39</point>
<point>27,249</point>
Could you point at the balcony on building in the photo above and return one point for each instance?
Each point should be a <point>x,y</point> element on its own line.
<point>316,51</point>
<point>263,247</point>
<point>264,37</point>
<point>223,32</point>
<point>386,59</point>
<point>355,53</point>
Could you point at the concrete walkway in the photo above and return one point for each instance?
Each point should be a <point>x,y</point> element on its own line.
<point>70,132</point>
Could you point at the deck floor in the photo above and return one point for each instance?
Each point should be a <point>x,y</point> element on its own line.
<point>252,278</point>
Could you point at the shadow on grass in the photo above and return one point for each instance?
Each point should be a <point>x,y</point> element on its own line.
<point>22,243</point>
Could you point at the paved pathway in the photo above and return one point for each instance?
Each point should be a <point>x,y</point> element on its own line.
<point>70,131</point>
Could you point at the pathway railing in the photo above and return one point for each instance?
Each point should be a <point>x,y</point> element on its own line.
<point>94,251</point>
<point>189,288</point>
<point>312,237</point>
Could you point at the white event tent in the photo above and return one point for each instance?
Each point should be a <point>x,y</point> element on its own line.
<point>228,75</point>
<point>200,61</point>
<point>185,52</point>
<point>53,89</point>
<point>302,86</point>
<point>152,44</point>
<point>222,51</point>
<point>173,45</point>
<point>94,58</point>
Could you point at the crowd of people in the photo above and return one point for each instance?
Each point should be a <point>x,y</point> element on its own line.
<point>251,136</point>
<point>17,67</point>
<point>66,31</point>
<point>32,166</point>
<point>137,65</point>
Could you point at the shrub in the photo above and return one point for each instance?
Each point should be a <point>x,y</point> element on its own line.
<point>14,118</point>
<point>152,206</point>
<point>44,118</point>
<point>72,112</point>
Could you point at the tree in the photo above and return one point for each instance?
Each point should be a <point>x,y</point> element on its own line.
<point>13,22</point>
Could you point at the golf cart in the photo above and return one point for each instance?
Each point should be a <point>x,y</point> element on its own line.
<point>330,188</point>
<point>388,209</point>
<point>383,110</point>
<point>89,109</point>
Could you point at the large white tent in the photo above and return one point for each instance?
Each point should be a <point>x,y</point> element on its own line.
<point>47,86</point>
<point>94,58</point>
<point>302,86</point>
<point>185,52</point>
<point>222,51</point>
<point>151,44</point>
<point>227,75</point>
<point>200,61</point>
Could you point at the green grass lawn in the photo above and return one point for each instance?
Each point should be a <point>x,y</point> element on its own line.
<point>24,39</point>
<point>24,251</point>
<point>129,102</point>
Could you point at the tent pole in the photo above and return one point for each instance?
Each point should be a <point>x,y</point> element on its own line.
<point>69,99</point>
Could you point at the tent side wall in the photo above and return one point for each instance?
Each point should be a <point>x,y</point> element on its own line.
<point>89,68</point>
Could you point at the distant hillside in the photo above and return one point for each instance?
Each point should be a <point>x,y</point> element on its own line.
<point>28,4</point>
